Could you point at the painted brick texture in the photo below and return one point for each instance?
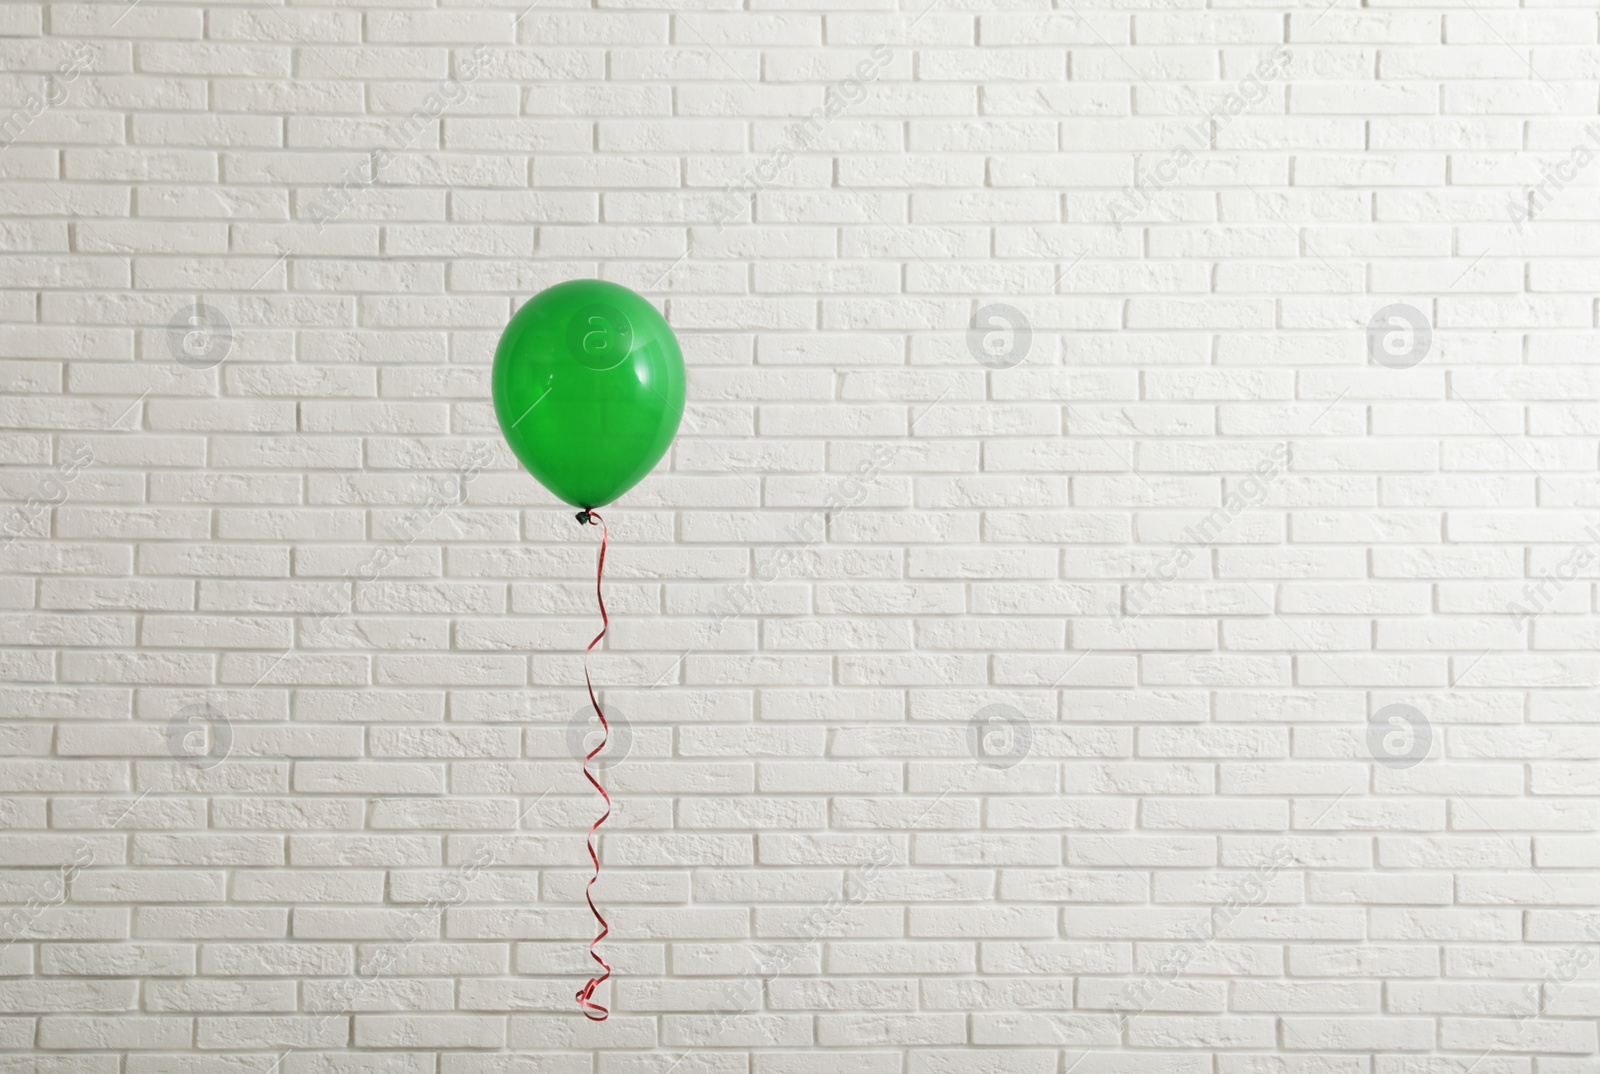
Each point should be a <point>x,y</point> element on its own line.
<point>1122,598</point>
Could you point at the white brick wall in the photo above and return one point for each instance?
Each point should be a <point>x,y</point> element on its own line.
<point>1122,598</point>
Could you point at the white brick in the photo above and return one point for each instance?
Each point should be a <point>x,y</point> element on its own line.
<point>800,811</point>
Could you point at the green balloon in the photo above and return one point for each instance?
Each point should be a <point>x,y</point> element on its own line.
<point>588,388</point>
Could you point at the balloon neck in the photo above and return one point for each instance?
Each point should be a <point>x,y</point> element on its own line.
<point>583,518</point>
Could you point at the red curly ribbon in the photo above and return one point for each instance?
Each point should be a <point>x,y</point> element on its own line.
<point>585,1003</point>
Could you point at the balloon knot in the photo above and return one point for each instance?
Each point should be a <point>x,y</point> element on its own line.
<point>583,518</point>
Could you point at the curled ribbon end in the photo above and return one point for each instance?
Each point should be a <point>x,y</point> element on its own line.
<point>586,1005</point>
